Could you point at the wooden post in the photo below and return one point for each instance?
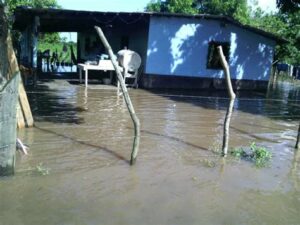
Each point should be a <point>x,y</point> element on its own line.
<point>129,105</point>
<point>230,107</point>
<point>297,146</point>
<point>8,125</point>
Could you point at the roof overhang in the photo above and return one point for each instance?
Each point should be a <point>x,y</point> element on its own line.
<point>62,20</point>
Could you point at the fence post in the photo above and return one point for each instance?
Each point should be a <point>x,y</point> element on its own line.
<point>8,125</point>
<point>297,146</point>
<point>230,107</point>
<point>129,105</point>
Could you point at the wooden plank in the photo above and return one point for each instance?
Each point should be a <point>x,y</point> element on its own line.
<point>23,100</point>
<point>20,118</point>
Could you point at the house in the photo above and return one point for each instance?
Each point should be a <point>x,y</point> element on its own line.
<point>177,50</point>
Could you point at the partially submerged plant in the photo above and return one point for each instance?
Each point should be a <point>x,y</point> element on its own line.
<point>41,169</point>
<point>258,154</point>
<point>208,163</point>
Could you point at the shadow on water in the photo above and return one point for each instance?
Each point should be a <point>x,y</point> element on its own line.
<point>54,105</point>
<point>118,156</point>
<point>172,138</point>
<point>282,102</point>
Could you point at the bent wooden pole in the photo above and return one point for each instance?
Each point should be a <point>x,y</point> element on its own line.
<point>297,146</point>
<point>227,73</point>
<point>230,107</point>
<point>129,105</point>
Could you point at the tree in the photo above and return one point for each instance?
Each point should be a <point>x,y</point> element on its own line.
<point>181,6</point>
<point>288,5</point>
<point>172,6</point>
<point>13,4</point>
<point>237,9</point>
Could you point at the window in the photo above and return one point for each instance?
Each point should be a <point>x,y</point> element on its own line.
<point>213,58</point>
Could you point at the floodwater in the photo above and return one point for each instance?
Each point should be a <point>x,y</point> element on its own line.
<point>78,168</point>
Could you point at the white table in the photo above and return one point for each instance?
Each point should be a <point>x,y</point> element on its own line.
<point>104,65</point>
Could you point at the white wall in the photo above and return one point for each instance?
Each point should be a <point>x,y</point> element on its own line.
<point>179,47</point>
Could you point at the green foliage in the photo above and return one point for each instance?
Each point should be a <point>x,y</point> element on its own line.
<point>238,9</point>
<point>172,6</point>
<point>58,48</point>
<point>13,4</point>
<point>257,154</point>
<point>238,152</point>
<point>235,8</point>
<point>181,6</point>
<point>49,37</point>
<point>260,155</point>
<point>283,25</point>
<point>155,6</point>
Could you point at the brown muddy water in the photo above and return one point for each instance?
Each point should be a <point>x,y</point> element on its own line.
<point>78,168</point>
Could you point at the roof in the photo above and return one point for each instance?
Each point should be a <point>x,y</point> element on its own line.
<point>59,20</point>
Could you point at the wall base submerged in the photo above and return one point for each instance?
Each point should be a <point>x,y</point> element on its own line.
<point>179,82</point>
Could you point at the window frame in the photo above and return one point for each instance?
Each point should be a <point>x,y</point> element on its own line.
<point>213,59</point>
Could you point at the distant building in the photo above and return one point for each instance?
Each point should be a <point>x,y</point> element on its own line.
<point>178,51</point>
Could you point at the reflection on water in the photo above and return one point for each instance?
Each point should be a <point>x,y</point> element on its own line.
<point>84,138</point>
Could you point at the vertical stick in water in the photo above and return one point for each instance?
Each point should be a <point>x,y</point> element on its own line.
<point>226,128</point>
<point>230,107</point>
<point>298,139</point>
<point>129,105</point>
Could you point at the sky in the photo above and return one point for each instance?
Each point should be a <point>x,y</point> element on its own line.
<point>105,5</point>
<point>132,5</point>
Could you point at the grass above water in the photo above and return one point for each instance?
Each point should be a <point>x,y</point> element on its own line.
<point>256,154</point>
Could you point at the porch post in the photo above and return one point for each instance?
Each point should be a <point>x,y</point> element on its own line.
<point>34,41</point>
